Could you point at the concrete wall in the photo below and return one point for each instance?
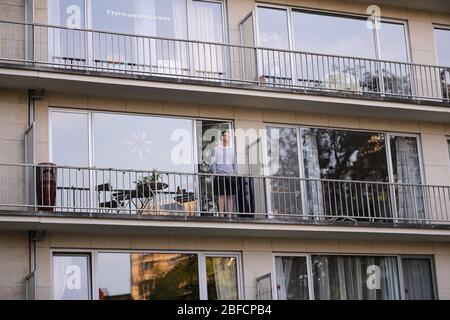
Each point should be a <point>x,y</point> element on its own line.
<point>257,254</point>
<point>12,10</point>
<point>13,265</point>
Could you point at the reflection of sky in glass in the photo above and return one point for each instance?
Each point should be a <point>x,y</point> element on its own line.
<point>393,42</point>
<point>332,35</point>
<point>442,37</point>
<point>114,273</point>
<point>63,274</point>
<point>273,32</point>
<point>141,142</point>
<point>70,138</point>
<point>164,18</point>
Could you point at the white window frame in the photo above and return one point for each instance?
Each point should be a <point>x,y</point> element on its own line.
<point>387,135</point>
<point>201,258</point>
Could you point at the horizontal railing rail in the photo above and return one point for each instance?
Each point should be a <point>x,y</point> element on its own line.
<point>66,189</point>
<point>90,50</point>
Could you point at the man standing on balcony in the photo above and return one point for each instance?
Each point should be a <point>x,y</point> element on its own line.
<point>223,163</point>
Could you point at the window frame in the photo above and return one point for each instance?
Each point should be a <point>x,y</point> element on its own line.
<point>201,258</point>
<point>441,27</point>
<point>290,9</point>
<point>309,255</point>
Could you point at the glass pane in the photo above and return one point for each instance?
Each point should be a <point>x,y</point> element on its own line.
<point>71,277</point>
<point>282,148</point>
<point>248,40</point>
<point>407,173</point>
<point>292,278</point>
<point>148,276</point>
<point>70,142</point>
<point>143,142</point>
<point>222,278</point>
<point>393,47</point>
<point>418,279</point>
<point>346,156</point>
<point>336,35</point>
<point>355,278</point>
<point>208,137</point>
<point>206,25</point>
<point>161,18</point>
<point>273,28</point>
<point>68,47</point>
<point>442,38</point>
<point>70,147</point>
<point>155,148</point>
<point>393,42</point>
<point>273,33</point>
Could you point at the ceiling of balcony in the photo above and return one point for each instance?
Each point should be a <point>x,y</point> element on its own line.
<point>442,6</point>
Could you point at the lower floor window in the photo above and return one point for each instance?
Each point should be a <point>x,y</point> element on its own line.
<point>147,276</point>
<point>345,277</point>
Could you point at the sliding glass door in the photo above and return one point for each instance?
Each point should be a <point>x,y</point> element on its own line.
<point>353,277</point>
<point>354,174</point>
<point>148,36</point>
<point>332,51</point>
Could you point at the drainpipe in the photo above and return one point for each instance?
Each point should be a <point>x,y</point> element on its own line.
<point>31,278</point>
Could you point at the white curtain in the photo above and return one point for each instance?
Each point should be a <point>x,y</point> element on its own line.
<point>60,265</point>
<point>418,279</point>
<point>391,280</point>
<point>225,277</point>
<point>283,271</point>
<point>410,197</point>
<point>344,278</point>
<point>312,171</point>
<point>208,58</point>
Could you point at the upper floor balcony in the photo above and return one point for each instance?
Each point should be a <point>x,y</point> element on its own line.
<point>120,55</point>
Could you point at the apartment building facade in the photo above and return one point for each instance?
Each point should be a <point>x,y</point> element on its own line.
<point>335,116</point>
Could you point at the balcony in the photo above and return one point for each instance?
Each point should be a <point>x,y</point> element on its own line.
<point>38,190</point>
<point>88,52</point>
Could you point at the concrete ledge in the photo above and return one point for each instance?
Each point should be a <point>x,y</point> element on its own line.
<point>210,226</point>
<point>119,85</point>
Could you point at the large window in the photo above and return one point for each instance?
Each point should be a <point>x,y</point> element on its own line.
<point>152,26</point>
<point>331,34</point>
<point>143,144</point>
<point>147,276</point>
<point>353,277</point>
<point>345,173</point>
<point>313,34</point>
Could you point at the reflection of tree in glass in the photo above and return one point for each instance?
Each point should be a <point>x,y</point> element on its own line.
<point>351,155</point>
<point>288,152</point>
<point>175,279</point>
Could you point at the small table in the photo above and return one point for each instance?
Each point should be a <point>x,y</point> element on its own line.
<point>145,193</point>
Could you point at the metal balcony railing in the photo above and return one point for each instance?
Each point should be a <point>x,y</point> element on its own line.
<point>218,63</point>
<point>152,193</point>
